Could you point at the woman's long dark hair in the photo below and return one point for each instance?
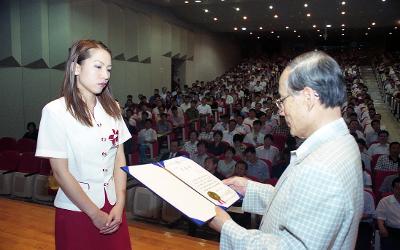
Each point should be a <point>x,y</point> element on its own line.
<point>69,90</point>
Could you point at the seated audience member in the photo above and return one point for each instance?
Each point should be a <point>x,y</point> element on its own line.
<point>217,147</point>
<point>192,113</point>
<point>191,145</point>
<point>365,228</point>
<point>389,162</point>
<point>223,124</point>
<point>388,217</point>
<point>32,132</point>
<point>142,120</point>
<point>354,128</point>
<point>174,151</point>
<point>163,125</point>
<point>256,137</point>
<point>371,136</point>
<point>147,136</point>
<point>282,164</point>
<point>268,151</point>
<point>230,132</point>
<point>204,109</point>
<point>282,128</point>
<point>257,168</point>
<point>201,153</point>
<point>251,118</point>
<point>210,164</point>
<point>382,146</point>
<point>185,105</point>
<point>365,157</point>
<point>238,145</point>
<point>240,169</point>
<point>366,178</point>
<point>240,127</point>
<point>206,132</point>
<point>226,166</point>
<point>176,119</point>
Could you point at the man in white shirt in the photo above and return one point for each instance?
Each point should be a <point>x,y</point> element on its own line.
<point>240,127</point>
<point>256,137</point>
<point>204,108</point>
<point>186,104</point>
<point>388,217</point>
<point>382,146</point>
<point>230,132</point>
<point>147,137</point>
<point>251,118</point>
<point>267,151</point>
<point>372,135</point>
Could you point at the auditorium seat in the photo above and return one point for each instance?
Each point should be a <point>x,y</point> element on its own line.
<point>8,144</point>
<point>378,178</point>
<point>146,204</point>
<point>9,161</point>
<point>374,160</point>
<point>26,145</point>
<point>279,141</point>
<point>41,183</point>
<point>23,179</point>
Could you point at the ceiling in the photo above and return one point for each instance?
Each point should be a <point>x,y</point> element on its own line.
<point>359,15</point>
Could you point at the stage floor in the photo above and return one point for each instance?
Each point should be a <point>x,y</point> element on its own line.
<point>26,226</point>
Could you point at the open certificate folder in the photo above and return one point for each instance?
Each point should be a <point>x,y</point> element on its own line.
<point>185,185</point>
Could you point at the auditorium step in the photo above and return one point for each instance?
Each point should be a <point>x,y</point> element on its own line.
<point>388,120</point>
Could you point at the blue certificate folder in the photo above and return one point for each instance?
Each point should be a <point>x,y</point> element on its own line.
<point>185,185</point>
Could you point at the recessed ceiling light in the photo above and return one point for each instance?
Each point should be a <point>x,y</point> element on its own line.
<point>215,18</point>
<point>342,29</point>
<point>314,26</point>
<point>298,36</point>
<point>244,17</point>
<point>390,33</point>
<point>308,14</point>
<point>271,7</point>
<point>197,1</point>
<point>343,3</point>
<point>368,28</point>
<point>320,35</point>
<point>343,25</point>
<point>258,37</point>
<point>294,31</point>
<point>277,37</point>
<point>343,12</point>
<point>366,34</point>
<point>342,34</point>
<point>260,28</point>
<point>272,32</point>
<point>235,28</point>
<point>328,25</point>
<point>205,10</point>
<point>373,23</point>
<point>237,9</point>
<point>244,28</point>
<point>318,30</point>
<point>305,5</point>
<point>383,0</point>
<point>287,27</point>
<point>251,33</point>
<point>395,27</point>
<point>186,2</point>
<point>276,16</point>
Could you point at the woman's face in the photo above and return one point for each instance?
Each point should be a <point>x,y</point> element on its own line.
<point>93,73</point>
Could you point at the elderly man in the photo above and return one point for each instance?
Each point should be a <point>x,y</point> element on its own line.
<point>318,201</point>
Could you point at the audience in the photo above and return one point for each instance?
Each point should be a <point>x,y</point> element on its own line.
<point>268,151</point>
<point>226,166</point>
<point>32,132</point>
<point>389,162</point>
<point>257,169</point>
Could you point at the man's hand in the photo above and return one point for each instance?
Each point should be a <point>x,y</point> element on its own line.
<point>220,218</point>
<point>239,184</point>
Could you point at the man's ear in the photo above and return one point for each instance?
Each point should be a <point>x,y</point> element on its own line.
<point>77,68</point>
<point>310,97</point>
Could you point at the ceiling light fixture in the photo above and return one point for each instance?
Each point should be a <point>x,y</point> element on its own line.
<point>275,16</point>
<point>318,30</point>
<point>197,1</point>
<point>373,23</point>
<point>368,28</point>
<point>328,25</point>
<point>272,32</point>
<point>320,35</point>
<point>271,7</point>
<point>343,3</point>
<point>260,28</point>
<point>244,28</point>
<point>366,34</point>
<point>235,28</point>
<point>395,27</point>
<point>390,33</point>
<point>342,29</point>
<point>305,5</point>
<point>186,2</point>
<point>244,17</point>
<point>314,26</point>
<point>237,9</point>
<point>298,36</point>
<point>251,33</point>
<point>343,25</point>
<point>343,12</point>
<point>258,37</point>
<point>205,10</point>
<point>278,37</point>
<point>215,18</point>
<point>342,34</point>
<point>294,31</point>
<point>308,14</point>
<point>287,27</point>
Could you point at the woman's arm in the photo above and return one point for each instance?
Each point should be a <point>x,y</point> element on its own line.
<point>74,192</point>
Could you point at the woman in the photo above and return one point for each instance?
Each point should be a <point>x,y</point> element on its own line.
<point>226,166</point>
<point>82,134</point>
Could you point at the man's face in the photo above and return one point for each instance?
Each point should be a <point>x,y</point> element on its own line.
<point>383,138</point>
<point>256,127</point>
<point>395,149</point>
<point>240,169</point>
<point>232,125</point>
<point>292,109</point>
<point>267,142</point>
<point>376,126</point>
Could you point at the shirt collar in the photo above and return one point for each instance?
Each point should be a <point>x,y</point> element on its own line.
<point>319,137</point>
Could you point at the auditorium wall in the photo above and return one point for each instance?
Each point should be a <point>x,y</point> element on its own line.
<point>35,36</point>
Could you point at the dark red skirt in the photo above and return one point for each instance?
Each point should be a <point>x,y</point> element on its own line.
<point>75,230</point>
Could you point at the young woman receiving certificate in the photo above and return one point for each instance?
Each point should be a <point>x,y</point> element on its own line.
<point>82,134</point>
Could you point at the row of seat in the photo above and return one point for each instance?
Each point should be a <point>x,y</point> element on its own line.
<point>21,145</point>
<point>25,176</point>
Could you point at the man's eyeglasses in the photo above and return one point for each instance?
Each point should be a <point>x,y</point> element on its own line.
<point>279,102</point>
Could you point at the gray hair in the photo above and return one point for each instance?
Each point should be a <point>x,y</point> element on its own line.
<point>321,73</point>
